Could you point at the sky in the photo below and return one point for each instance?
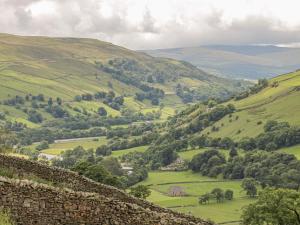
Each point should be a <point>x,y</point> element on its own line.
<point>152,24</point>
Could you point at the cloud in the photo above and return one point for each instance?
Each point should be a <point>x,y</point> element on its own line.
<point>142,24</point>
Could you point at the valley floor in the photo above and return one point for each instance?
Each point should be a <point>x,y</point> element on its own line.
<point>194,185</point>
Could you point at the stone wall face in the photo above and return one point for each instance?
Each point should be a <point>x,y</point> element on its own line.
<point>31,203</point>
<point>99,204</point>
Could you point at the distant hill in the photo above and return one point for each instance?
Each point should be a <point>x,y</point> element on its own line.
<point>68,67</point>
<point>237,61</point>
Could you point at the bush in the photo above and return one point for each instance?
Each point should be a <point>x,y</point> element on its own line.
<point>140,191</point>
<point>228,194</point>
<point>43,145</point>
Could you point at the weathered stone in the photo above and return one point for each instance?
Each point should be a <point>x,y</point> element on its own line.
<point>85,202</point>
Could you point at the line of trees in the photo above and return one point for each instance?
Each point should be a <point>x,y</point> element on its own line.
<point>269,169</point>
<point>217,194</point>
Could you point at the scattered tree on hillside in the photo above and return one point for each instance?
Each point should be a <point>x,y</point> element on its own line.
<point>102,111</point>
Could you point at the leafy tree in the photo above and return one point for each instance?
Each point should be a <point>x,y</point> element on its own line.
<point>59,101</point>
<point>140,191</point>
<point>155,101</point>
<point>78,98</point>
<point>35,116</point>
<point>218,194</point>
<point>203,199</point>
<point>43,145</point>
<point>112,165</point>
<point>249,185</point>
<point>247,144</point>
<point>206,161</point>
<point>274,206</point>
<point>228,194</point>
<point>233,152</point>
<point>102,111</point>
<point>103,150</point>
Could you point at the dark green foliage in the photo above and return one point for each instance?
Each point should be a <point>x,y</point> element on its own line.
<point>102,111</point>
<point>249,185</point>
<point>17,100</point>
<point>43,145</point>
<point>208,163</point>
<point>57,111</point>
<point>103,150</point>
<point>269,169</point>
<point>204,199</point>
<point>140,191</point>
<point>218,194</point>
<point>97,173</point>
<point>262,83</point>
<point>233,152</point>
<point>35,116</point>
<point>228,195</point>
<point>274,206</point>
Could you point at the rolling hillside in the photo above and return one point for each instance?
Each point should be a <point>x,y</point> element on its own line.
<point>67,67</point>
<point>249,62</point>
<point>278,101</point>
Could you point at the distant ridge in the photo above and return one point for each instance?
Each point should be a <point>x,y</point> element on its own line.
<point>237,61</point>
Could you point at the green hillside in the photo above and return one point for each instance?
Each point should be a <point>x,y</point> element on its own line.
<point>279,102</point>
<point>67,67</point>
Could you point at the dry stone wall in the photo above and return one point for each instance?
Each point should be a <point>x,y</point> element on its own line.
<point>110,203</point>
<point>34,204</point>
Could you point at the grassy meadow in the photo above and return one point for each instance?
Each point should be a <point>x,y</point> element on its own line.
<point>193,186</point>
<point>87,143</point>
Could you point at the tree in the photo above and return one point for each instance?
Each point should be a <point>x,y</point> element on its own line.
<point>228,194</point>
<point>78,98</point>
<point>42,145</point>
<point>140,191</point>
<point>233,152</point>
<point>274,206</point>
<point>112,165</point>
<point>103,150</point>
<point>155,101</point>
<point>50,102</point>
<point>269,125</point>
<point>59,100</point>
<point>218,194</point>
<point>35,116</point>
<point>249,185</point>
<point>102,111</point>
<point>203,199</point>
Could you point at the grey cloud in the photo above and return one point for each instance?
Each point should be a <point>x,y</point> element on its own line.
<point>83,19</point>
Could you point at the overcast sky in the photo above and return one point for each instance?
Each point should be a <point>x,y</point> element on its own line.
<point>150,24</point>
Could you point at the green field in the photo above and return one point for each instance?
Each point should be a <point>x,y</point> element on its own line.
<point>193,186</point>
<point>57,148</point>
<point>129,150</point>
<point>87,143</point>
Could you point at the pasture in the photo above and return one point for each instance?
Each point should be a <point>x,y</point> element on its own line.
<point>194,185</point>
